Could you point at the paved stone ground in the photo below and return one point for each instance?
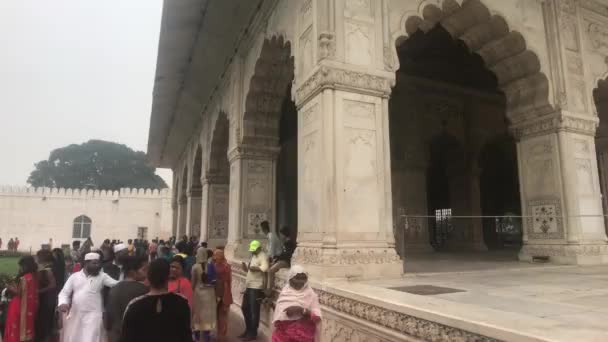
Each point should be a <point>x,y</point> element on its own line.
<point>236,326</point>
<point>557,303</point>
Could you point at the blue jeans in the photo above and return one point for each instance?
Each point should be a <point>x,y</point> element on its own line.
<point>252,301</point>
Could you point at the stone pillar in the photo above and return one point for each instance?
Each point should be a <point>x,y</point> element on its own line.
<point>476,238</point>
<point>251,197</point>
<point>560,189</point>
<point>174,213</point>
<point>602,160</point>
<point>409,184</point>
<point>194,211</point>
<point>345,202</point>
<point>182,212</point>
<point>344,79</point>
<point>214,218</point>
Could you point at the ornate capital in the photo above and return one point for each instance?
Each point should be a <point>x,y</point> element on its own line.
<point>214,178</point>
<point>555,123</point>
<point>252,152</point>
<point>350,80</point>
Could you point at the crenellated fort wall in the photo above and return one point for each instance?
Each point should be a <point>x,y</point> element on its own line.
<point>36,215</point>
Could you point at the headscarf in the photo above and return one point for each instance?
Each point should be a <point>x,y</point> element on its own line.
<point>219,257</point>
<point>304,297</point>
<point>224,275</point>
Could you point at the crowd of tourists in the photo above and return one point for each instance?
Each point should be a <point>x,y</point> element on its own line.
<point>154,291</point>
<point>12,245</point>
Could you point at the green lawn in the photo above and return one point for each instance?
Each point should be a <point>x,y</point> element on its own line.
<point>8,265</point>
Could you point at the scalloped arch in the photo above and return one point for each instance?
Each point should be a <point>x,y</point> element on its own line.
<point>274,72</point>
<point>197,167</point>
<point>218,152</point>
<point>503,51</point>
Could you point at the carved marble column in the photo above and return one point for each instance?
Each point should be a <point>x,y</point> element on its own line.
<point>182,213</point>
<point>194,211</point>
<point>560,189</point>
<point>251,196</point>
<point>344,184</point>
<point>214,217</point>
<point>409,199</point>
<point>476,239</point>
<point>602,160</point>
<point>345,216</point>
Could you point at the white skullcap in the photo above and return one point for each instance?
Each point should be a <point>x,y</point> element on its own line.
<point>91,256</point>
<point>119,247</point>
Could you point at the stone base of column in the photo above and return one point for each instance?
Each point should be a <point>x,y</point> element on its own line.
<point>351,263</point>
<point>567,254</point>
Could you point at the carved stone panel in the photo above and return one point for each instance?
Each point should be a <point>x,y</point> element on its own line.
<point>546,219</point>
<point>584,176</point>
<point>358,9</point>
<point>308,204</point>
<point>310,116</point>
<point>359,114</point>
<point>598,36</point>
<point>258,183</point>
<point>306,14</point>
<point>258,194</point>
<point>539,169</point>
<point>359,43</point>
<point>307,52</point>
<point>219,212</point>
<point>253,223</point>
<point>360,191</point>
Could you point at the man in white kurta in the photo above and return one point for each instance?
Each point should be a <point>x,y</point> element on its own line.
<point>81,299</point>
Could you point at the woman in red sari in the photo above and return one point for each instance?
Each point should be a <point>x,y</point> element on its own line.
<point>177,282</point>
<point>23,307</point>
<point>224,292</point>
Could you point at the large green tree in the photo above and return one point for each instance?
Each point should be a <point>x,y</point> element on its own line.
<point>96,164</point>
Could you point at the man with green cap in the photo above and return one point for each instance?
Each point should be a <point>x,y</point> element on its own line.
<point>252,299</point>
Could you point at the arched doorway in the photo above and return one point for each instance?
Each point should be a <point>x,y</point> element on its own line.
<point>182,204</point>
<point>216,185</point>
<point>287,167</point>
<point>449,131</point>
<point>600,97</point>
<point>270,129</point>
<point>195,194</point>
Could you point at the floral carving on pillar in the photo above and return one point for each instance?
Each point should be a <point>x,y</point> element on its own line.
<point>598,36</point>
<point>327,45</point>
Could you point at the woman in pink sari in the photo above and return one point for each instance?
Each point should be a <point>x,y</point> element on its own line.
<point>23,307</point>
<point>297,313</point>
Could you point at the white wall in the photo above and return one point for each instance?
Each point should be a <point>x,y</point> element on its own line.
<point>37,214</point>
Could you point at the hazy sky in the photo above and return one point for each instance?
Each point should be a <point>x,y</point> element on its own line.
<point>71,71</point>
